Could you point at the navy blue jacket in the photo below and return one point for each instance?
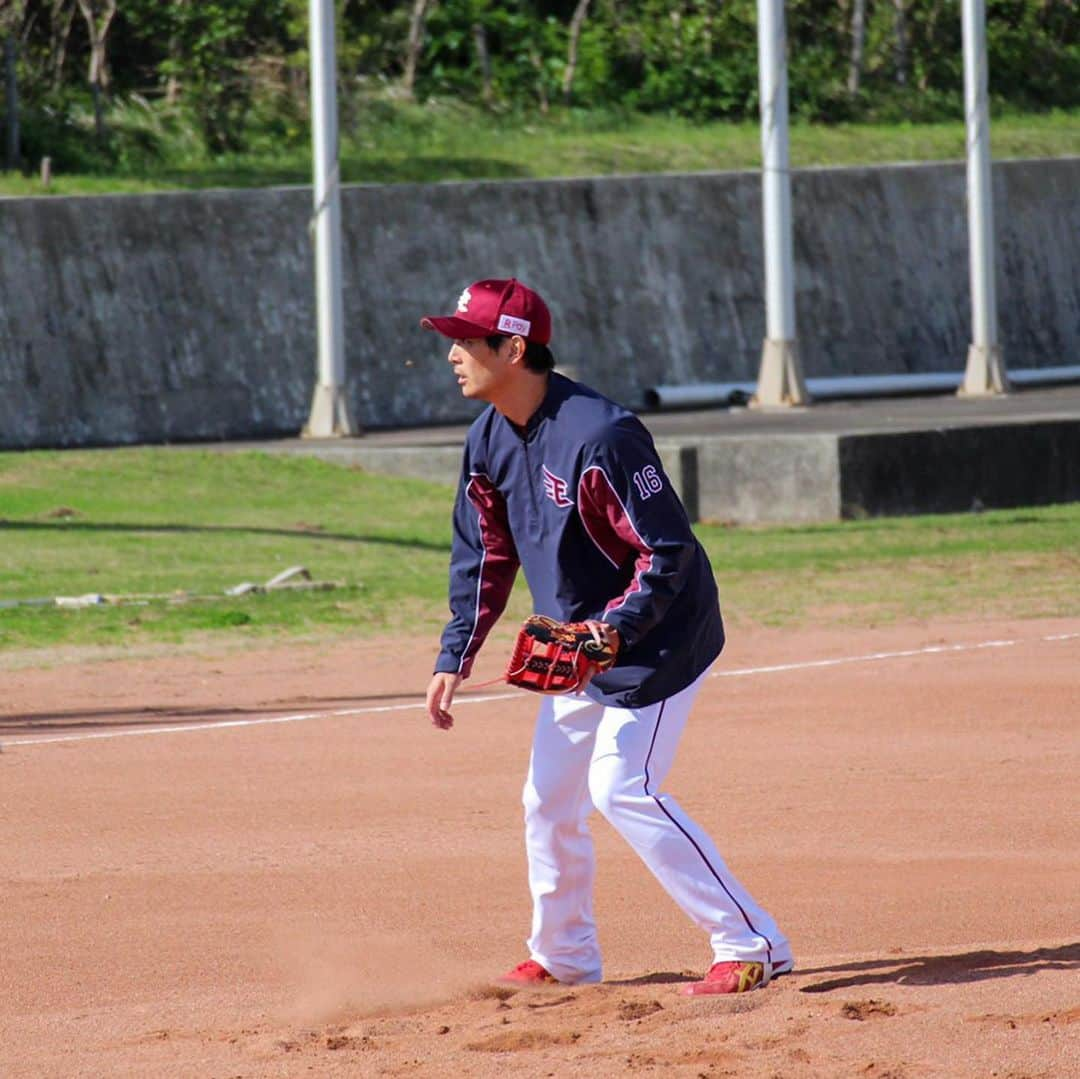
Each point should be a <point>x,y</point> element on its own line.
<point>580,501</point>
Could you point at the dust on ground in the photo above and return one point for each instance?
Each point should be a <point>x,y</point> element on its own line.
<point>205,893</point>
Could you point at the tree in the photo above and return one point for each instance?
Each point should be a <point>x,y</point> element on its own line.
<point>900,46</point>
<point>483,60</point>
<point>10,21</point>
<point>98,15</point>
<point>12,156</point>
<point>172,80</point>
<point>858,40</point>
<point>576,23</point>
<point>213,46</point>
<point>61,16</point>
<point>415,44</point>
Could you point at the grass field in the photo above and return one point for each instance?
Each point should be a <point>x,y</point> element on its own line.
<point>173,528</point>
<point>450,141</point>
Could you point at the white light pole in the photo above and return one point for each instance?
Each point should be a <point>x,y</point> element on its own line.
<point>329,408</point>
<point>780,379</point>
<point>985,374</point>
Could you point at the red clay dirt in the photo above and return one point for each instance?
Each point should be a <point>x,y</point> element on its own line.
<point>329,895</point>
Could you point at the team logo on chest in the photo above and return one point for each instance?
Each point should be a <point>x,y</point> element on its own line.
<point>555,488</point>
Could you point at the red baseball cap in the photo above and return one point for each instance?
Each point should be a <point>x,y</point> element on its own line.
<point>499,306</point>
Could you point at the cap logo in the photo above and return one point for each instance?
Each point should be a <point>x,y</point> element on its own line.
<point>509,324</point>
<point>463,300</point>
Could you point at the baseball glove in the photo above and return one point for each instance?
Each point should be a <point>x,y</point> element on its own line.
<point>556,657</point>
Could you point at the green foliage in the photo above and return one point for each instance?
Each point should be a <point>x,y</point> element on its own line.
<point>226,77</point>
<point>216,52</point>
<point>517,39</point>
<point>693,59</point>
<point>1034,50</point>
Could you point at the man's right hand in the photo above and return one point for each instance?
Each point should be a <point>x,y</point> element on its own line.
<point>440,696</point>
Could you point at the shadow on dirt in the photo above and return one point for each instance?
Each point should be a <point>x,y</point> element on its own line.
<point>910,970</point>
<point>663,977</point>
<point>91,718</point>
<point>943,969</point>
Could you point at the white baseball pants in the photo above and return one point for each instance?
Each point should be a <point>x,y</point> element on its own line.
<point>587,756</point>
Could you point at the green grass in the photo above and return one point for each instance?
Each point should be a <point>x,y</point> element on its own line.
<point>392,142</point>
<point>134,522</point>
<point>163,520</point>
<point>1005,563</point>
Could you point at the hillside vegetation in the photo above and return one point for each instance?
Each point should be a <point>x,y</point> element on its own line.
<point>152,93</point>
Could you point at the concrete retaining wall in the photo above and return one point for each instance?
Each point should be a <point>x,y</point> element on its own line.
<point>827,476</point>
<point>959,469</point>
<point>189,316</point>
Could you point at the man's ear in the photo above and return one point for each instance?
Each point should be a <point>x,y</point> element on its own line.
<point>517,348</point>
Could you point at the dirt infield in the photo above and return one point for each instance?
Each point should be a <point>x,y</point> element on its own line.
<point>190,889</point>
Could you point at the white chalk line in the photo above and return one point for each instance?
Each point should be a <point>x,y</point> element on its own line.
<point>929,650</point>
<point>740,672</point>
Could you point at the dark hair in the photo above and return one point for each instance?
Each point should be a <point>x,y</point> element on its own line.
<point>538,357</point>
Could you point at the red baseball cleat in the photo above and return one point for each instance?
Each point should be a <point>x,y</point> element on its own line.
<point>735,977</point>
<point>528,973</point>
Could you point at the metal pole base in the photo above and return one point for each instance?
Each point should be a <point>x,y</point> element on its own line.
<point>330,416</point>
<point>985,375</point>
<point>780,379</point>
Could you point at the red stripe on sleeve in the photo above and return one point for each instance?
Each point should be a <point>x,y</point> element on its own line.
<point>609,527</point>
<point>498,566</point>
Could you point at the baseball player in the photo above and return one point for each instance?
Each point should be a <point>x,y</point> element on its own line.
<point>567,484</point>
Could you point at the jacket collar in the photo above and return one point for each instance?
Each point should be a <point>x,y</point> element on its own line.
<point>557,391</point>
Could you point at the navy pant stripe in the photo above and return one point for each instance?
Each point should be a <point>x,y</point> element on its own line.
<point>693,842</point>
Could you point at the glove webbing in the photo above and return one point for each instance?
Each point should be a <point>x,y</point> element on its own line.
<point>547,653</point>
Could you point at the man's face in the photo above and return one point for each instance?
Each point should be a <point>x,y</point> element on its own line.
<point>479,369</point>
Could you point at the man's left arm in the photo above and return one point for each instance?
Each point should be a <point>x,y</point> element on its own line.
<point>633,515</point>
